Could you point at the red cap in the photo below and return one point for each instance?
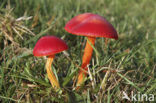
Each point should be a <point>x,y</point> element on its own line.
<point>49,45</point>
<point>92,25</point>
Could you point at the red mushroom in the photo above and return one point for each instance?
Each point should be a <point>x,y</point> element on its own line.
<point>91,26</point>
<point>49,46</point>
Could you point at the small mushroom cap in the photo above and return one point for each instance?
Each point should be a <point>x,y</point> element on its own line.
<point>91,25</point>
<point>49,45</point>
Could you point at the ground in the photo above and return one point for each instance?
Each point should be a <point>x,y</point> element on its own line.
<point>131,59</point>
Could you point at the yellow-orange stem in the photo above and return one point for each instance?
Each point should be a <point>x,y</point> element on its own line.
<point>54,82</point>
<point>85,61</point>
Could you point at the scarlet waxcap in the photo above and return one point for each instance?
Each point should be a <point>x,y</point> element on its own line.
<point>91,25</point>
<point>49,45</point>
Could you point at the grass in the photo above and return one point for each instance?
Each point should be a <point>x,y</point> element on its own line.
<point>133,57</point>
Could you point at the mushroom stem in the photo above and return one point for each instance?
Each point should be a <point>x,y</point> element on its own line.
<point>85,61</point>
<point>51,75</point>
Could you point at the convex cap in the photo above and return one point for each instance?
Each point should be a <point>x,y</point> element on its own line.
<point>91,25</point>
<point>49,45</point>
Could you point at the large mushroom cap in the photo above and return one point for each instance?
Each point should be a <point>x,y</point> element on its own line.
<point>49,45</point>
<point>92,25</point>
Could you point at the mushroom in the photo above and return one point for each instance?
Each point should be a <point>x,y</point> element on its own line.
<point>91,26</point>
<point>49,46</point>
